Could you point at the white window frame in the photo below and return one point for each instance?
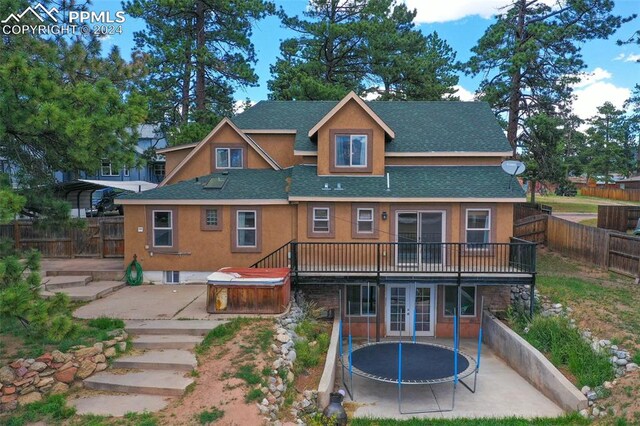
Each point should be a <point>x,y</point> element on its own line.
<point>467,229</point>
<point>155,169</point>
<point>228,166</point>
<point>475,302</point>
<point>172,277</point>
<point>351,136</point>
<point>254,229</point>
<point>360,314</point>
<point>358,220</point>
<point>107,163</point>
<point>154,227</point>
<point>327,220</point>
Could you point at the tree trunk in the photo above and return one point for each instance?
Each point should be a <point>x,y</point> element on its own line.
<point>516,80</point>
<point>533,184</point>
<point>186,79</point>
<point>200,53</point>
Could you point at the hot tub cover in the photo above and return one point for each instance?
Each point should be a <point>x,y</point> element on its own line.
<point>249,276</point>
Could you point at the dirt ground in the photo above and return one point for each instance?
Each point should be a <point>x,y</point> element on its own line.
<point>215,386</point>
<point>608,305</point>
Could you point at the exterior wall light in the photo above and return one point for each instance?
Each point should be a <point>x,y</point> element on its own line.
<point>384,216</point>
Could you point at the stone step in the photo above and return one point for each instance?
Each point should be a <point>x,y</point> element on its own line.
<point>92,291</point>
<point>173,341</point>
<point>118,405</point>
<point>149,382</point>
<point>65,281</point>
<point>168,359</point>
<point>107,275</point>
<point>167,327</point>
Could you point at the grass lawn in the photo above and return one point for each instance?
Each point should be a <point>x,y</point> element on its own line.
<point>590,222</point>
<point>572,419</point>
<point>578,204</point>
<point>605,303</point>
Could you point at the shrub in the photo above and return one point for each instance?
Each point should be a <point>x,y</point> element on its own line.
<point>210,416</point>
<point>564,347</point>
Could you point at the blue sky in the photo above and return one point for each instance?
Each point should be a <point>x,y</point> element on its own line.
<point>611,72</point>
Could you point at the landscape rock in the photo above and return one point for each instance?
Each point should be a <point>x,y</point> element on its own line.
<point>85,352</point>
<point>66,376</point>
<point>7,375</point>
<point>631,367</point>
<point>122,346</point>
<point>59,357</point>
<point>29,398</point>
<point>282,338</point>
<point>110,352</point>
<point>101,367</point>
<point>44,382</point>
<point>59,388</point>
<point>38,366</point>
<point>86,368</point>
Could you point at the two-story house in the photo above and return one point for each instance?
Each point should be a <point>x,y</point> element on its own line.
<point>399,211</point>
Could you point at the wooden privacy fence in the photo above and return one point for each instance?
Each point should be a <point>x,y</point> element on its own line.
<point>612,193</point>
<point>524,210</point>
<point>618,218</point>
<point>101,237</point>
<point>603,248</point>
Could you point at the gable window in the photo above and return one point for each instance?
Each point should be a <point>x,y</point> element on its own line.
<point>351,150</point>
<point>159,170</point>
<point>229,158</point>
<point>162,228</point>
<point>362,300</point>
<point>467,300</point>
<point>211,219</point>
<point>246,228</point>
<point>321,220</point>
<point>478,226</point>
<point>107,170</point>
<point>365,221</point>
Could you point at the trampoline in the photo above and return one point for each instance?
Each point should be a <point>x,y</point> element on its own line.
<point>411,362</point>
<point>422,363</point>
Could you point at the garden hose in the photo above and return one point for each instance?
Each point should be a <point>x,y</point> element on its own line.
<point>137,278</point>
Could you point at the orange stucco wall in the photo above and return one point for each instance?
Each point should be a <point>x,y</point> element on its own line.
<point>202,163</point>
<point>351,116</point>
<point>279,147</point>
<point>174,158</point>
<point>204,250</point>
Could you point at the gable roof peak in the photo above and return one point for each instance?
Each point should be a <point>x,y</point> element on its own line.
<point>352,96</point>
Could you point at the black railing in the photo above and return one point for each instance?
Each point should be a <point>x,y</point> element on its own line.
<point>517,256</point>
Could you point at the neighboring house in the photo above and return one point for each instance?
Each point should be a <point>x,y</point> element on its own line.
<point>392,206</point>
<point>153,171</point>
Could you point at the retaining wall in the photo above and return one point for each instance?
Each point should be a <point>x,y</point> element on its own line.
<point>325,387</point>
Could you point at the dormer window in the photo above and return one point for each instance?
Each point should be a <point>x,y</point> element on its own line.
<point>351,150</point>
<point>229,158</point>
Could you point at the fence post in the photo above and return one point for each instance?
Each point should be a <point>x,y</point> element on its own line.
<point>101,237</point>
<point>16,235</point>
<point>607,248</point>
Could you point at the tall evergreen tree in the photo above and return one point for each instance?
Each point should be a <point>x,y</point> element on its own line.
<point>197,53</point>
<point>60,110</point>
<point>531,55</point>
<point>370,47</point>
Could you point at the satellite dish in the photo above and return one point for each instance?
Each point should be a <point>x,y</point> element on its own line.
<point>513,167</point>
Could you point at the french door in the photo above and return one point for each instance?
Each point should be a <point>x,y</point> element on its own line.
<point>410,306</point>
<point>420,237</point>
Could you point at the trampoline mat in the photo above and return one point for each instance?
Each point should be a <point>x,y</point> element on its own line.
<point>420,362</point>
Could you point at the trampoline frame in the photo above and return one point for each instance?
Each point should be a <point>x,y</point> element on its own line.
<point>473,368</point>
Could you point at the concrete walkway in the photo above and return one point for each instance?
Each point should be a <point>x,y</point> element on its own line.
<point>501,392</point>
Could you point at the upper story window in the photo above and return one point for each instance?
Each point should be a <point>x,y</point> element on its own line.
<point>365,221</point>
<point>229,158</point>
<point>246,228</point>
<point>478,226</point>
<point>351,150</point>
<point>107,170</point>
<point>321,220</point>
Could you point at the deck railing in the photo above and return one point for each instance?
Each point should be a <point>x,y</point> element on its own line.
<point>517,256</point>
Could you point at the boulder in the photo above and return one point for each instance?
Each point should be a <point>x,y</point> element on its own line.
<point>59,388</point>
<point>38,366</point>
<point>99,346</point>
<point>122,346</point>
<point>101,367</point>
<point>46,358</point>
<point>29,398</point>
<point>67,375</point>
<point>9,390</point>
<point>110,352</point>
<point>44,382</point>
<point>59,357</point>
<point>85,352</point>
<point>99,358</point>
<point>7,399</point>
<point>87,367</point>
<point>7,375</point>
<point>109,343</point>
<point>27,390</point>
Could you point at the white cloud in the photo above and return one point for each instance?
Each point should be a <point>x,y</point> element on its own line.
<point>592,77</point>
<point>594,90</point>
<point>463,93</point>
<point>430,11</point>
<point>239,106</point>
<point>631,57</point>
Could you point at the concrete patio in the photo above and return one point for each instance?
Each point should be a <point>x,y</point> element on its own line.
<point>501,392</point>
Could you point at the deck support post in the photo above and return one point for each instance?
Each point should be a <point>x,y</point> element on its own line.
<point>379,295</point>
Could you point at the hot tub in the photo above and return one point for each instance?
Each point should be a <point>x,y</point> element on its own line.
<point>248,290</point>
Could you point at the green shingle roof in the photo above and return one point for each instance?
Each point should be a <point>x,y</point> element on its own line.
<point>409,182</point>
<point>243,184</point>
<point>419,126</point>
